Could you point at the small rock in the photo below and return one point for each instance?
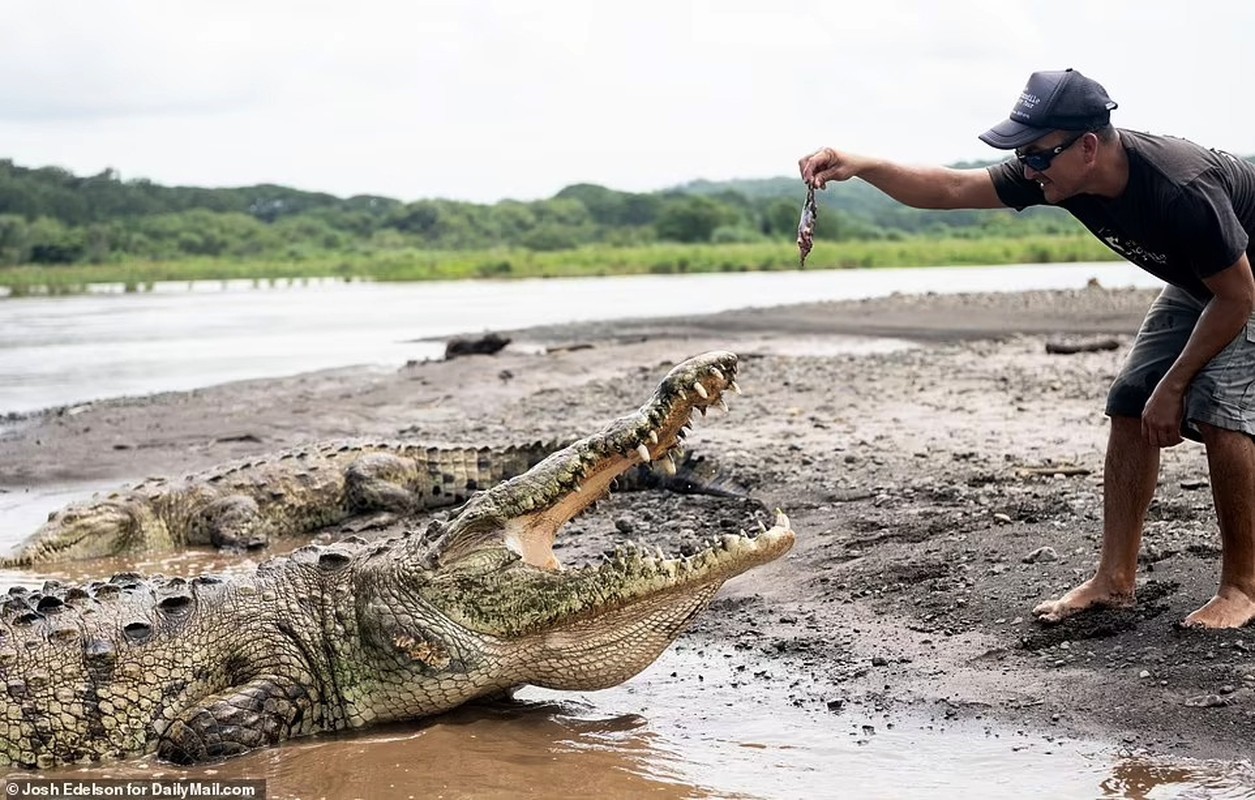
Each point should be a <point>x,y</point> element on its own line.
<point>835,704</point>
<point>879,661</point>
<point>1041,554</point>
<point>1144,674</point>
<point>1207,701</point>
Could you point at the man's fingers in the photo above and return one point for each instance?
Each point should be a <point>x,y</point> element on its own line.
<point>1159,436</point>
<point>806,164</point>
<point>825,175</point>
<point>819,167</point>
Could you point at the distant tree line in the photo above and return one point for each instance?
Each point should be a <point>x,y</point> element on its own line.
<point>50,216</point>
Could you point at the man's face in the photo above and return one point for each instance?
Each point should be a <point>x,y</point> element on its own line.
<point>1057,162</point>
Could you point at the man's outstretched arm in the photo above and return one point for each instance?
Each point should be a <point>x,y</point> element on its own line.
<point>919,187</point>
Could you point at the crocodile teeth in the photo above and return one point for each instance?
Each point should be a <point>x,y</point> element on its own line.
<point>722,404</point>
<point>653,437</point>
<point>643,451</point>
<point>701,390</point>
<point>668,466</point>
<point>715,371</point>
<point>732,385</point>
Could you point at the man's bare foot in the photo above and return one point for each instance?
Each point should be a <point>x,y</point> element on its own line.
<point>1088,595</point>
<point>1230,608</point>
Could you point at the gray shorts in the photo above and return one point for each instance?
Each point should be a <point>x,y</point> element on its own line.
<point>1222,394</point>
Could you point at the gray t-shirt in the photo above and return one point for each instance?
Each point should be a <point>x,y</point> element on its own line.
<point>1187,213</point>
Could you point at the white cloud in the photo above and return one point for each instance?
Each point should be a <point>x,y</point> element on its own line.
<point>490,99</point>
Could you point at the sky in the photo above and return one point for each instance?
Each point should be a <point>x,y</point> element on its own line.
<point>482,100</point>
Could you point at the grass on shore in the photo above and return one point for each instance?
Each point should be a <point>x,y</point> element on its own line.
<point>592,261</point>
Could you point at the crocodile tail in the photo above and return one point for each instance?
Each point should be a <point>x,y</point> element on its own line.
<point>450,475</point>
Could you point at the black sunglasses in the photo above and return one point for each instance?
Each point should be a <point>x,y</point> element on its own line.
<point>1040,162</point>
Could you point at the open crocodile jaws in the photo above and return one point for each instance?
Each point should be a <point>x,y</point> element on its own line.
<point>355,633</point>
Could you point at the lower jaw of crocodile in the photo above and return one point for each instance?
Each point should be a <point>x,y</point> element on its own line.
<point>647,602</point>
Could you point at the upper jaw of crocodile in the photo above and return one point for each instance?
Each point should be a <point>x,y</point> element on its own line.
<point>493,570</point>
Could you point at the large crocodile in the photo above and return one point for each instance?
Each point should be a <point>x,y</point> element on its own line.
<point>247,503</point>
<point>347,635</point>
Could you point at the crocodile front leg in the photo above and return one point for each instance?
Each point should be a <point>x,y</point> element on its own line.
<point>264,711</point>
<point>380,482</point>
<point>231,522</point>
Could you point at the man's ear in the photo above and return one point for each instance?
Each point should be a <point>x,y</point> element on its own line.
<point>1090,143</point>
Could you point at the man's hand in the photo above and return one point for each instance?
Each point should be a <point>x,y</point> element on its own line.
<point>1161,419</point>
<point>1225,316</point>
<point>825,165</point>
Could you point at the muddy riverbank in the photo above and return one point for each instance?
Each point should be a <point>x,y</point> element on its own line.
<point>942,470</point>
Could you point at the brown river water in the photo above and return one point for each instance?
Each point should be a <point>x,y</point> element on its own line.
<point>687,727</point>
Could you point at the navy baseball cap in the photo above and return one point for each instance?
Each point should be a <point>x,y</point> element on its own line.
<point>1052,101</point>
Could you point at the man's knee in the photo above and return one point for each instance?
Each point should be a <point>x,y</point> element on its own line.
<point>1125,425</point>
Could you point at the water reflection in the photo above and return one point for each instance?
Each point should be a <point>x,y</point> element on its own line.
<point>677,748</point>
<point>1144,778</point>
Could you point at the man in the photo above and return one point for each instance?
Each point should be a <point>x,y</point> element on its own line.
<point>1181,212</point>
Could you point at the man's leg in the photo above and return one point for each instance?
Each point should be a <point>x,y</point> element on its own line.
<point>1231,462</point>
<point>1129,476</point>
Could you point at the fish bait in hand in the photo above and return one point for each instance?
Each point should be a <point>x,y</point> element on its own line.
<point>806,226</point>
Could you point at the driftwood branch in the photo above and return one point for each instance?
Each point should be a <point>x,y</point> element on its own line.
<point>488,344</point>
<point>1059,469</point>
<point>1067,348</point>
<point>562,348</point>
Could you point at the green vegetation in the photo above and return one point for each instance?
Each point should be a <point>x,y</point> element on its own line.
<point>59,232</point>
<point>589,260</point>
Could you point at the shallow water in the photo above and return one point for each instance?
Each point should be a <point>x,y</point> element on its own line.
<point>61,350</point>
<point>704,721</point>
<point>685,729</point>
